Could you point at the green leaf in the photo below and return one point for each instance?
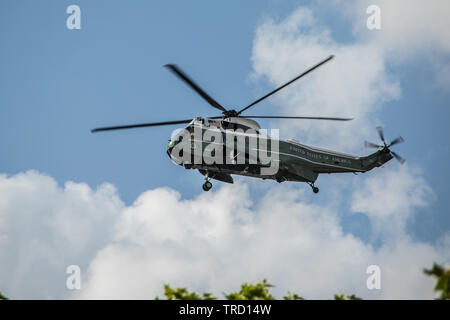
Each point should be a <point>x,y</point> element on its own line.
<point>442,280</point>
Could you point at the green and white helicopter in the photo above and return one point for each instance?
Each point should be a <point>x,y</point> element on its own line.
<point>294,161</point>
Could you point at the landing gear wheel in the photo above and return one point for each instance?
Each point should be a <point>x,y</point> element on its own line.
<point>313,187</point>
<point>207,186</point>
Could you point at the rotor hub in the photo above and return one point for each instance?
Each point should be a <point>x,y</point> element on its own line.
<point>230,113</point>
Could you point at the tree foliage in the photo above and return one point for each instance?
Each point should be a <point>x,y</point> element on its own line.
<point>292,296</point>
<point>184,294</point>
<point>442,280</point>
<point>341,296</point>
<point>248,291</point>
<point>260,290</point>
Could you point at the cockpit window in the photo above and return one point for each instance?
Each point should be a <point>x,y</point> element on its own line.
<point>197,120</point>
<point>235,126</point>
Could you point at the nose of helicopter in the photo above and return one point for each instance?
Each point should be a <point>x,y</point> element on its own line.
<point>177,158</point>
<point>169,147</point>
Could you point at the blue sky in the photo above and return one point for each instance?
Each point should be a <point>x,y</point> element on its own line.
<point>57,84</point>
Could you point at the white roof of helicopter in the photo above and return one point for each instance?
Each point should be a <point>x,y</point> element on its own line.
<point>243,121</point>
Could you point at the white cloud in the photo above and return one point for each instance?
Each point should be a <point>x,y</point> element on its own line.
<point>357,82</point>
<point>442,67</point>
<point>388,197</point>
<point>219,240</point>
<point>45,228</point>
<point>408,27</point>
<point>412,32</point>
<point>354,84</point>
<point>213,242</point>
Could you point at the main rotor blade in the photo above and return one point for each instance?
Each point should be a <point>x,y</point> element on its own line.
<point>306,118</point>
<point>396,156</point>
<point>132,126</point>
<point>381,134</point>
<point>194,86</point>
<point>287,83</point>
<point>368,144</point>
<point>397,140</point>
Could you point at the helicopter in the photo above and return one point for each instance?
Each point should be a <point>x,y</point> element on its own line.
<point>293,161</point>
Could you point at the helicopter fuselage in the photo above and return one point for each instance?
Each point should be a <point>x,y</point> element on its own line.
<point>233,143</point>
<point>294,161</point>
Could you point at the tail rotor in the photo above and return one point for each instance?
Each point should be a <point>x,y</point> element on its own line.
<point>386,146</point>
